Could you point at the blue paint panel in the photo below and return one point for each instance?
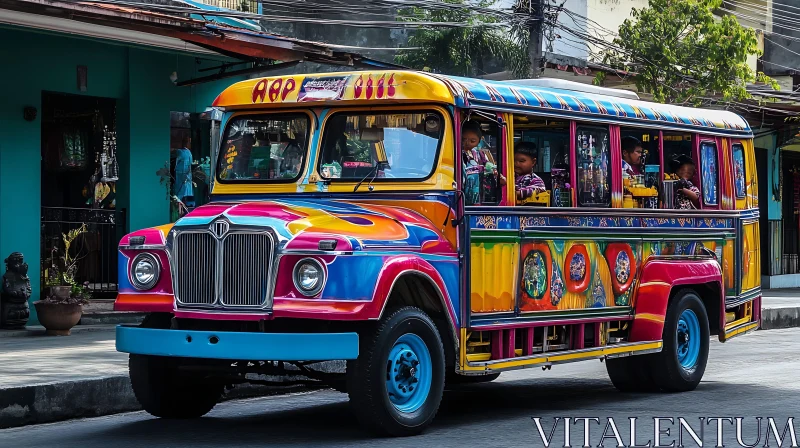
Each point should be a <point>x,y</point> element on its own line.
<point>352,277</point>
<point>606,221</point>
<point>124,283</point>
<point>448,270</point>
<point>238,345</point>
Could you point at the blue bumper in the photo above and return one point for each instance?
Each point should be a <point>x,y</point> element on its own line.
<point>238,345</point>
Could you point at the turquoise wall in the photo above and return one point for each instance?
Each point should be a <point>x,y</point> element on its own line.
<point>138,78</point>
<point>772,171</point>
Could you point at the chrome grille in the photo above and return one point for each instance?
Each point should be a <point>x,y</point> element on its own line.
<point>195,256</point>
<point>246,266</point>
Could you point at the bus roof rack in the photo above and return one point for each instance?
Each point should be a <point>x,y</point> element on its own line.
<point>562,84</point>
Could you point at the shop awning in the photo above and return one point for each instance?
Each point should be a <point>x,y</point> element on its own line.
<point>133,24</point>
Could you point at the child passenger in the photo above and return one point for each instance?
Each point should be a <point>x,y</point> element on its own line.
<point>527,183</point>
<point>687,196</point>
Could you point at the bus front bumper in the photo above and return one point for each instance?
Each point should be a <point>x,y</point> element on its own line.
<point>241,346</point>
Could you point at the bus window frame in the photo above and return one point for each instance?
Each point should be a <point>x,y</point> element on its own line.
<point>574,164</point>
<point>350,111</point>
<point>313,126</point>
<point>740,144</point>
<point>701,139</point>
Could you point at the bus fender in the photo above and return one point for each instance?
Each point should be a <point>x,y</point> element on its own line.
<point>659,277</point>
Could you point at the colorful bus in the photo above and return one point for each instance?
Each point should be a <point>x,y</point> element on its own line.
<point>381,218</point>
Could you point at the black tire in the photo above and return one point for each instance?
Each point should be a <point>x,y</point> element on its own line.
<point>164,393</point>
<point>630,374</point>
<point>368,375</point>
<point>666,369</point>
<point>454,379</point>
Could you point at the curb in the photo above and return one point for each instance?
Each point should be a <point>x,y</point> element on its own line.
<point>38,330</point>
<point>48,403</point>
<point>777,318</point>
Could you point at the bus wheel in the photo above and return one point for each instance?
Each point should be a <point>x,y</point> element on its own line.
<point>680,365</point>
<point>396,384</point>
<point>163,393</point>
<point>630,374</point>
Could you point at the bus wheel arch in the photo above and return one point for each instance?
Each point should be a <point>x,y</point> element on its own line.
<point>417,289</point>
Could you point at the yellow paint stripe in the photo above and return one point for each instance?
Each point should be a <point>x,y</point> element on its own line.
<point>649,316</point>
<point>655,283</point>
<point>739,331</point>
<point>611,350</point>
<point>472,357</point>
<point>736,323</point>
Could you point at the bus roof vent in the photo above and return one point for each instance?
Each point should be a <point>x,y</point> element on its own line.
<point>562,84</point>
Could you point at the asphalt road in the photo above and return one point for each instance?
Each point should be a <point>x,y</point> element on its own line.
<point>756,375</point>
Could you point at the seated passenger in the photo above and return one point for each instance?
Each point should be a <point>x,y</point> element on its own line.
<point>474,163</point>
<point>527,182</point>
<point>687,196</point>
<point>631,156</point>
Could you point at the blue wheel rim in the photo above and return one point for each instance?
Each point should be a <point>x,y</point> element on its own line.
<point>688,336</point>
<point>408,373</point>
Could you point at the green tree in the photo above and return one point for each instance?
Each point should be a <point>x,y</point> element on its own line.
<point>464,50</point>
<point>680,52</point>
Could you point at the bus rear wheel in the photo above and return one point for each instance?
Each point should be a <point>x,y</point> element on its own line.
<point>680,365</point>
<point>397,382</point>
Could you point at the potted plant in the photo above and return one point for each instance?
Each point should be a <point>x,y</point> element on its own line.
<point>62,308</point>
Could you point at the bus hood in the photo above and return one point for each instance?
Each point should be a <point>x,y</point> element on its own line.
<point>301,224</point>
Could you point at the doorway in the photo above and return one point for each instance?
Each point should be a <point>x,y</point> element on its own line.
<point>190,162</point>
<point>80,224</point>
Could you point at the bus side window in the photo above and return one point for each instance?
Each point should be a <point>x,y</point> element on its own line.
<point>593,160</point>
<point>545,143</point>
<point>710,168</point>
<point>739,182</point>
<point>482,168</point>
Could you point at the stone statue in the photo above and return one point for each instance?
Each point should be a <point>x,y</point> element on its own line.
<point>14,309</point>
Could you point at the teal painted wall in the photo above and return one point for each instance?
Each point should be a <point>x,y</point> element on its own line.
<point>137,78</point>
<point>772,171</point>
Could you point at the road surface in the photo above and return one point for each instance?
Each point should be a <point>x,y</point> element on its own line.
<point>757,375</point>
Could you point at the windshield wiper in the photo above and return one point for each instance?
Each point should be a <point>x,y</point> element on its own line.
<point>373,173</point>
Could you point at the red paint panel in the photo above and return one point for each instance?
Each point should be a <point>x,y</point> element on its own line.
<point>509,339</point>
<point>146,303</point>
<point>497,344</point>
<point>657,280</point>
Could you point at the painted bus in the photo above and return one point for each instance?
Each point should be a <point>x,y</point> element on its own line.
<point>374,218</point>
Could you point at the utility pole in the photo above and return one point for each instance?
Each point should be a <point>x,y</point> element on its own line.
<point>535,28</point>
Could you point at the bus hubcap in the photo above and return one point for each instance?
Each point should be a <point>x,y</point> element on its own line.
<point>408,373</point>
<point>688,338</point>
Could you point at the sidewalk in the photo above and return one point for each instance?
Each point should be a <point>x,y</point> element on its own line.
<point>45,379</point>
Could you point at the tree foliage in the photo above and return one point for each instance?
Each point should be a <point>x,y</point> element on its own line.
<point>463,51</point>
<point>680,52</point>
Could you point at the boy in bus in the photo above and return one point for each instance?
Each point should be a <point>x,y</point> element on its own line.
<point>474,162</point>
<point>526,181</point>
<point>687,196</point>
<point>631,156</point>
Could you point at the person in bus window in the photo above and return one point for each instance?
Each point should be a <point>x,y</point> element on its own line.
<point>687,196</point>
<point>631,156</point>
<point>474,163</point>
<point>526,181</point>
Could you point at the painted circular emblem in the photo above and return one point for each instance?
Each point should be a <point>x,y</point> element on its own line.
<point>535,274</point>
<point>577,267</point>
<point>622,267</point>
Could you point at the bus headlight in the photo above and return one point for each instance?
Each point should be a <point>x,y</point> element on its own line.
<point>308,276</point>
<point>145,271</point>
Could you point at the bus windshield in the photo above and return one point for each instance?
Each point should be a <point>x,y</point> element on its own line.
<point>352,141</point>
<point>263,148</point>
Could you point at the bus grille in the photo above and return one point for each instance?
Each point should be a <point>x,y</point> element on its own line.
<point>234,272</point>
